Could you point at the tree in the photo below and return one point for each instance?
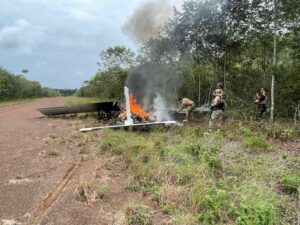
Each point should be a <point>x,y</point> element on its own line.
<point>118,56</point>
<point>25,71</point>
<point>246,44</point>
<point>108,83</point>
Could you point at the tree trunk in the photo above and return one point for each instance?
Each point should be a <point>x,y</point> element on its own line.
<point>224,30</point>
<point>274,62</point>
<point>199,90</point>
<point>199,79</point>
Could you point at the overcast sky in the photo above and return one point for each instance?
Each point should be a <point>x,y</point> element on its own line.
<point>59,41</point>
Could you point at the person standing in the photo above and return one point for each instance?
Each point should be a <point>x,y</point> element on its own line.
<point>188,105</point>
<point>261,97</point>
<point>217,109</point>
<point>219,89</point>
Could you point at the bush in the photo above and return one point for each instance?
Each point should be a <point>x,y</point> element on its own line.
<point>255,144</point>
<point>281,132</point>
<point>216,204</point>
<point>138,215</point>
<point>258,205</point>
<point>184,172</point>
<point>290,183</point>
<point>111,146</point>
<point>254,141</point>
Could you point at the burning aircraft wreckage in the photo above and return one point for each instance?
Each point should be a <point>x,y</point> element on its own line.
<point>129,115</point>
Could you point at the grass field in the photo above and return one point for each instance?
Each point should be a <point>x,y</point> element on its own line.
<point>14,102</point>
<point>247,174</point>
<point>73,100</point>
<point>241,176</point>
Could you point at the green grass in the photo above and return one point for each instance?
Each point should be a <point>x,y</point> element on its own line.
<point>138,215</point>
<point>195,180</point>
<point>290,183</point>
<point>52,152</point>
<point>91,191</point>
<point>73,100</point>
<point>17,101</point>
<point>256,144</point>
<point>281,131</point>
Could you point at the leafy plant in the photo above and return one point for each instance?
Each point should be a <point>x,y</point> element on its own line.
<point>277,131</point>
<point>255,144</point>
<point>290,183</point>
<point>138,215</point>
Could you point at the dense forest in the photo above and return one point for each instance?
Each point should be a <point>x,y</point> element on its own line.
<point>18,87</point>
<point>245,44</point>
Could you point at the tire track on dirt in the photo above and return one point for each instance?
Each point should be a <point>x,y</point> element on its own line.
<point>52,199</point>
<point>42,210</point>
<point>23,152</point>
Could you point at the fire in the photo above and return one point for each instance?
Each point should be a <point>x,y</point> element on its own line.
<point>136,109</point>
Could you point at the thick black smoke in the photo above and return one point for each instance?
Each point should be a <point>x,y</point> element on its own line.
<point>155,86</point>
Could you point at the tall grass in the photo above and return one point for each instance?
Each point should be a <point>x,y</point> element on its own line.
<point>74,100</point>
<point>196,180</point>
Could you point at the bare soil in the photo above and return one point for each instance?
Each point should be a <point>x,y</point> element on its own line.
<point>42,171</point>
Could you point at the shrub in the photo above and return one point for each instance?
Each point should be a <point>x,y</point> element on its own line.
<point>290,183</point>
<point>111,146</point>
<point>52,152</point>
<point>282,132</point>
<point>184,218</point>
<point>101,190</point>
<point>182,170</point>
<point>215,206</point>
<point>165,208</point>
<point>255,143</point>
<point>258,205</point>
<point>138,215</point>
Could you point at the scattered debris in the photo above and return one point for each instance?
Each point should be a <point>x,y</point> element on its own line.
<point>132,116</point>
<point>166,123</point>
<point>9,222</point>
<point>20,181</point>
<point>103,107</point>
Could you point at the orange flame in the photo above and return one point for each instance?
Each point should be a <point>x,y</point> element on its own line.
<point>136,109</point>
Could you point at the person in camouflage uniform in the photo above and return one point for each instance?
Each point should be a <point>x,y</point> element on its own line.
<point>261,97</point>
<point>188,105</point>
<point>217,109</point>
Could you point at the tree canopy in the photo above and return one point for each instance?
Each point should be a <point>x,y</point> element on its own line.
<point>17,86</point>
<point>211,41</point>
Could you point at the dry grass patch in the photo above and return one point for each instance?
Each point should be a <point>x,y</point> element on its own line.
<point>173,194</point>
<point>52,152</point>
<point>89,192</point>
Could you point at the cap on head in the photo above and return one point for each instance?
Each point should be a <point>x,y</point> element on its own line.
<point>263,89</point>
<point>219,85</point>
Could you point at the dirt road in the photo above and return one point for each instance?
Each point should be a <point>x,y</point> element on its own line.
<point>41,172</point>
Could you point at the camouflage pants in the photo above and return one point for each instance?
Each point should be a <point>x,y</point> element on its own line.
<point>216,120</point>
<point>259,111</point>
<point>189,110</point>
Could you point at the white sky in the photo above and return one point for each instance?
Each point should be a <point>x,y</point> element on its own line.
<point>59,41</point>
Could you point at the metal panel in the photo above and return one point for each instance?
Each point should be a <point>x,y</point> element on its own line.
<point>166,123</point>
<point>93,107</point>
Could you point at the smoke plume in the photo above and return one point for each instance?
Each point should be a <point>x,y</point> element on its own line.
<point>155,86</point>
<point>148,20</point>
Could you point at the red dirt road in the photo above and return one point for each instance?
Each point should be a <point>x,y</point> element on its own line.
<point>39,187</point>
<point>27,176</point>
